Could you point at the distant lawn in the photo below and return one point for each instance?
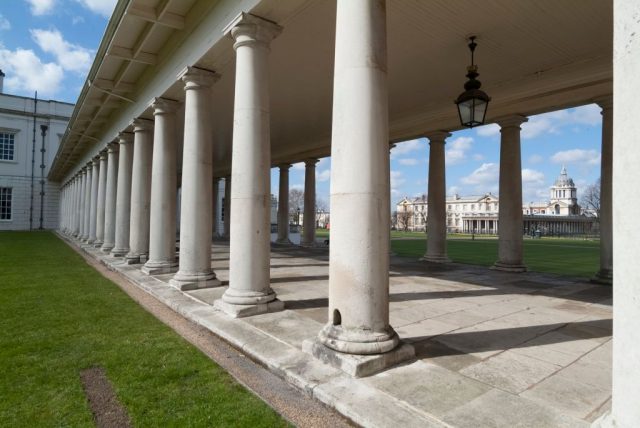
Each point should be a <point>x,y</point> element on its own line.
<point>561,256</point>
<point>570,257</point>
<point>59,316</point>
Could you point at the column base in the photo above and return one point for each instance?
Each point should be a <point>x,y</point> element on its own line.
<point>194,281</point>
<point>603,277</point>
<point>119,252</point>
<point>359,365</point>
<point>313,244</point>
<point>135,259</point>
<point>284,241</point>
<point>97,244</point>
<point>435,258</point>
<point>241,311</point>
<point>508,267</point>
<point>91,242</point>
<point>358,340</point>
<point>152,267</point>
<point>106,248</point>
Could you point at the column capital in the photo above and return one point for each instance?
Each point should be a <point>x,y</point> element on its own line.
<point>197,78</point>
<point>284,166</point>
<point>125,138</point>
<point>605,102</point>
<point>248,29</point>
<point>103,154</point>
<point>142,125</point>
<point>311,162</point>
<point>437,136</point>
<point>164,106</point>
<point>511,121</point>
<point>96,160</point>
<point>112,147</point>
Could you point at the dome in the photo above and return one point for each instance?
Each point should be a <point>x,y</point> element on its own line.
<point>564,180</point>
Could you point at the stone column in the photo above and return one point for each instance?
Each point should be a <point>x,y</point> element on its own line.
<point>437,200</point>
<point>510,215</point>
<point>82,189</point>
<point>359,256</point>
<point>249,291</point>
<point>309,216</point>
<point>164,179</point>
<point>110,198</point>
<point>227,207</point>
<point>73,206</point>
<point>78,206</point>
<point>87,201</point>
<point>197,179</point>
<point>95,163</point>
<point>605,274</point>
<point>214,208</point>
<point>283,204</point>
<point>140,191</point>
<point>123,195</point>
<point>625,411</point>
<point>102,189</point>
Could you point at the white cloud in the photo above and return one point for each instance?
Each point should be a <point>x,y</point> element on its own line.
<point>5,25</point>
<point>533,187</point>
<point>535,159</point>
<point>553,122</point>
<point>101,7</point>
<point>489,130</point>
<point>589,157</point>
<point>484,179</point>
<point>77,20</point>
<point>297,186</point>
<point>69,56</point>
<point>456,150</point>
<point>323,175</point>
<point>478,157</point>
<point>25,72</point>
<point>41,7</point>
<point>298,166</point>
<point>408,161</point>
<point>453,190</point>
<point>409,146</point>
<point>397,180</point>
<point>531,176</point>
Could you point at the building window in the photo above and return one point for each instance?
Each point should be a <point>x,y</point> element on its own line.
<point>5,203</point>
<point>473,207</point>
<point>7,146</point>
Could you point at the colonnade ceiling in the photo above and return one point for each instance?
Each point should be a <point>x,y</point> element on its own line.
<point>533,57</point>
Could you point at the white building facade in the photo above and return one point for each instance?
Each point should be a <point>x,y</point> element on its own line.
<point>30,132</point>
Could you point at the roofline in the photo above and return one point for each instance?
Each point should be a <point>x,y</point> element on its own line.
<point>32,98</point>
<point>112,26</point>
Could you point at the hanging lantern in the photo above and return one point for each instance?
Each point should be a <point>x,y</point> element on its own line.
<point>473,102</point>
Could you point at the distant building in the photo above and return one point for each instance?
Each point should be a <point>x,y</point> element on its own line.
<point>30,133</point>
<point>561,215</point>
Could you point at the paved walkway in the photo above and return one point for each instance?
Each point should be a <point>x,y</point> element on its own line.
<point>493,349</point>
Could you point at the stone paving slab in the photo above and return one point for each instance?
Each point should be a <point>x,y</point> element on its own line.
<point>492,348</point>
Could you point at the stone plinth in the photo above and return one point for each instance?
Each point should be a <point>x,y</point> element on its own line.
<point>359,365</point>
<point>241,311</point>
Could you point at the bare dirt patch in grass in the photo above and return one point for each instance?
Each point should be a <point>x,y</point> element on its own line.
<point>107,410</point>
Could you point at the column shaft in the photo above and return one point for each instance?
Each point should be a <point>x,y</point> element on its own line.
<point>227,207</point>
<point>100,206</point>
<point>283,205</point>
<point>162,224</point>
<point>197,180</point>
<point>510,254</point>
<point>140,191</point>
<point>605,275</point>
<point>82,197</point>
<point>110,198</point>
<point>249,289</point>
<point>214,207</point>
<point>309,216</point>
<point>123,195</point>
<point>359,256</point>
<point>436,200</point>
<point>87,202</point>
<point>95,171</point>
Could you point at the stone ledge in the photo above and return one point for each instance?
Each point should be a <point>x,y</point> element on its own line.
<point>359,365</point>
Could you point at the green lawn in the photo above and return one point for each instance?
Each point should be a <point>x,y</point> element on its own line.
<point>59,316</point>
<point>571,257</point>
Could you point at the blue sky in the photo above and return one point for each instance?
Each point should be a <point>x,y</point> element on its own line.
<point>48,46</point>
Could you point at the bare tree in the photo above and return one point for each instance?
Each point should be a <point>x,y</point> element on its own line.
<point>296,204</point>
<point>403,218</point>
<point>422,213</point>
<point>591,198</point>
<point>322,212</point>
